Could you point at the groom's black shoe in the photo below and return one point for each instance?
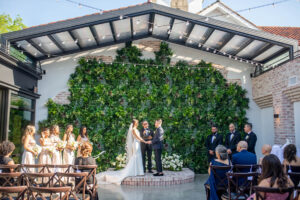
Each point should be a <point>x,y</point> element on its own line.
<point>150,171</point>
<point>156,174</point>
<point>160,174</point>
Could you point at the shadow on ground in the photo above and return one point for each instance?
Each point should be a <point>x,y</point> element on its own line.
<point>186,191</point>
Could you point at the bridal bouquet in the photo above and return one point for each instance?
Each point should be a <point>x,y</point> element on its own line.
<point>172,162</point>
<point>37,149</point>
<point>120,161</point>
<point>73,144</point>
<point>50,149</point>
<point>61,145</point>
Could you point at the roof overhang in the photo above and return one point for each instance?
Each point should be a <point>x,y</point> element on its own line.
<point>151,20</point>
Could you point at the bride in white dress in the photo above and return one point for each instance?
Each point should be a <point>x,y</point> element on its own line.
<point>134,165</point>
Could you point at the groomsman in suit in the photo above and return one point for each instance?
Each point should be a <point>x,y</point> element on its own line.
<point>157,145</point>
<point>250,137</point>
<point>147,135</point>
<point>212,141</point>
<point>231,140</point>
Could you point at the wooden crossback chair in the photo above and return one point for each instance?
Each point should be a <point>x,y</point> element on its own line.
<point>15,168</point>
<point>237,189</point>
<point>91,188</point>
<point>260,192</point>
<point>46,193</point>
<point>221,182</point>
<point>39,179</point>
<point>245,168</point>
<point>68,179</point>
<point>11,183</point>
<point>58,168</point>
<point>296,176</point>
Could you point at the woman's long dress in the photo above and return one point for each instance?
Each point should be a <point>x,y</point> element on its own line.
<point>82,140</point>
<point>56,157</point>
<point>69,155</point>
<point>134,167</point>
<point>46,155</point>
<point>28,158</point>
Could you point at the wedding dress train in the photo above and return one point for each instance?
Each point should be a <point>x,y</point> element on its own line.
<point>134,165</point>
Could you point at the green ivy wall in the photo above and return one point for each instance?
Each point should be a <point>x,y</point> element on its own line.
<point>106,97</point>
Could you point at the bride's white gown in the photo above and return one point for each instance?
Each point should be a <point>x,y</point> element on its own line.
<point>134,166</point>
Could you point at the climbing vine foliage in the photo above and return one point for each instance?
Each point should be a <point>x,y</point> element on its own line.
<point>106,97</point>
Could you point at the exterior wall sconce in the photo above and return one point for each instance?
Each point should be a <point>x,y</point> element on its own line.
<point>276,116</point>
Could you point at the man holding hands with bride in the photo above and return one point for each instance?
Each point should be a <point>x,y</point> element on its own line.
<point>157,145</point>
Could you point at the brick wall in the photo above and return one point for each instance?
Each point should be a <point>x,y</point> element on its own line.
<point>275,83</point>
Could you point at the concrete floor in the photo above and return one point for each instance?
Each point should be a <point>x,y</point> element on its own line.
<point>186,191</point>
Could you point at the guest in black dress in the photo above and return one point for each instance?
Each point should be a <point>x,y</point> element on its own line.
<point>220,160</point>
<point>86,159</point>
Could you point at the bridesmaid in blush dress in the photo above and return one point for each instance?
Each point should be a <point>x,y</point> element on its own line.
<point>56,157</point>
<point>69,154</point>
<point>81,139</point>
<point>28,157</point>
<point>46,143</point>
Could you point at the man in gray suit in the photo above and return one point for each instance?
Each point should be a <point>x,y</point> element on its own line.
<point>157,146</point>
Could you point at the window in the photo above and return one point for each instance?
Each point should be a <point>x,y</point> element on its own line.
<point>21,114</point>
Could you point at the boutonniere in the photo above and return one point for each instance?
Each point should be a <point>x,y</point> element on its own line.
<point>247,137</point>
<point>213,138</point>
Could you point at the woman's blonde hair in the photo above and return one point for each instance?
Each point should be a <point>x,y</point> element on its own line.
<point>86,149</point>
<point>28,130</point>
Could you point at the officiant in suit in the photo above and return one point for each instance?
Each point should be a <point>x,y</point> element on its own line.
<point>231,140</point>
<point>212,141</point>
<point>157,145</point>
<point>147,135</point>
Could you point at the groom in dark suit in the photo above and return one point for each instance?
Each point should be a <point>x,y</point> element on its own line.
<point>250,137</point>
<point>147,135</point>
<point>157,145</point>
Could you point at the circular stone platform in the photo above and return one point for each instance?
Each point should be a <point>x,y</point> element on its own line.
<point>169,178</point>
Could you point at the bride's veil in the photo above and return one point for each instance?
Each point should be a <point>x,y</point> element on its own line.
<point>129,143</point>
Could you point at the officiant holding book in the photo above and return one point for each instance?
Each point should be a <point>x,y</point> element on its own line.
<point>147,135</point>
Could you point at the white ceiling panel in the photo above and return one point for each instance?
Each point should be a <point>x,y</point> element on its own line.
<point>251,49</point>
<point>234,44</point>
<point>161,25</point>
<point>122,29</point>
<point>46,44</point>
<point>104,33</point>
<point>26,46</point>
<point>65,40</point>
<point>268,53</point>
<point>216,39</point>
<point>140,25</point>
<point>198,34</point>
<point>179,30</point>
<point>85,37</point>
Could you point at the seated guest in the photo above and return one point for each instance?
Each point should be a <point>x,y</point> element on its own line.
<point>86,159</point>
<point>244,157</point>
<point>265,150</point>
<point>273,176</point>
<point>6,149</point>
<point>291,159</point>
<point>220,160</point>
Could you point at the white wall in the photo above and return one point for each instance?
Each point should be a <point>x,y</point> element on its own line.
<point>58,71</point>
<point>265,135</point>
